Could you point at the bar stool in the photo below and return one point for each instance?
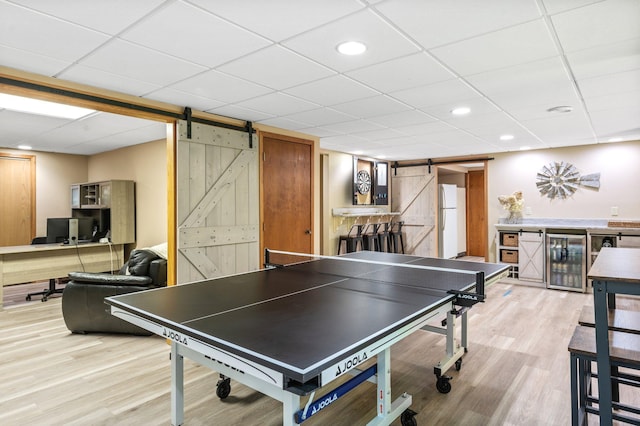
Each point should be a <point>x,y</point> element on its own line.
<point>385,242</point>
<point>371,241</point>
<point>395,236</point>
<point>351,240</point>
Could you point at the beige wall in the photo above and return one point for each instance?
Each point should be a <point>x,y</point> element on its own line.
<point>146,165</point>
<point>54,175</point>
<point>619,177</point>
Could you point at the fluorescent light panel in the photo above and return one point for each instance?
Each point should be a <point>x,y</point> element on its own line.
<point>36,106</point>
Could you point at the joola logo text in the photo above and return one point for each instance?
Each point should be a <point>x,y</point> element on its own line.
<point>177,337</point>
<point>350,363</point>
<point>324,403</point>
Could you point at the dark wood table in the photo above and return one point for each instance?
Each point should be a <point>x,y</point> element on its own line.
<point>615,271</point>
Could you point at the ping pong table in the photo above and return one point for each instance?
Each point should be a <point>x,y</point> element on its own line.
<point>298,325</point>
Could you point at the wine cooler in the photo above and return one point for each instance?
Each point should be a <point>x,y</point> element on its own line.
<point>566,262</point>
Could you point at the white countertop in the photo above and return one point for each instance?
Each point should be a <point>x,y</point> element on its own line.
<point>593,226</point>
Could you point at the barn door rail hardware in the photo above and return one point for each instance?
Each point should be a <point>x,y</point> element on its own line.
<point>396,165</point>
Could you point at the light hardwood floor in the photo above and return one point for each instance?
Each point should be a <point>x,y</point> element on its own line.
<point>515,373</point>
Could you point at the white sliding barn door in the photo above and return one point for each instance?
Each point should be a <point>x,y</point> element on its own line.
<point>217,200</point>
<point>414,193</point>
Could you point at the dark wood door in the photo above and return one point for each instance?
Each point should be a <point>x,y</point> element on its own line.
<point>476,214</point>
<point>287,196</point>
<point>17,199</point>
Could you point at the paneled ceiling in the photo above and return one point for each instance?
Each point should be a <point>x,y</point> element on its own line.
<point>276,62</point>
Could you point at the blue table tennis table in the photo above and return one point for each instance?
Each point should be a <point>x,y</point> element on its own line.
<point>304,321</point>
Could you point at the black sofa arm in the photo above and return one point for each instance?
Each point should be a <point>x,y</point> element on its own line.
<point>158,272</point>
<point>104,278</point>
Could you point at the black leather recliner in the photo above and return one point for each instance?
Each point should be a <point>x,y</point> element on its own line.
<point>83,306</point>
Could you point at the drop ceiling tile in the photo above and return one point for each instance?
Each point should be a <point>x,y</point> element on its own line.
<point>614,101</point>
<point>241,113</point>
<point>277,104</point>
<point>607,59</point>
<point>190,33</point>
<point>354,127</point>
<point>55,38</point>
<point>383,42</point>
<point>404,118</point>
<point>438,22</point>
<point>284,123</point>
<point>177,97</point>
<point>31,62</point>
<point>320,117</point>
<point>332,90</point>
<point>564,127</point>
<point>504,48</point>
<point>380,135</point>
<point>106,80</point>
<point>105,16</point>
<point>598,24</point>
<point>479,108</point>
<point>221,87</point>
<point>426,129</point>
<point>537,75</point>
<point>372,107</point>
<point>557,6</point>
<point>623,82</point>
<point>320,132</point>
<point>140,63</point>
<point>450,91</point>
<point>616,122</point>
<point>402,73</point>
<point>292,17</point>
<point>277,68</point>
<point>16,127</point>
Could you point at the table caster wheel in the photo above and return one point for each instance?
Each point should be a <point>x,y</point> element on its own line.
<point>223,388</point>
<point>458,364</point>
<point>443,385</point>
<point>407,418</point>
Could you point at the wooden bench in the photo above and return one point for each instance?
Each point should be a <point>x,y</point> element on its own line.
<point>624,351</point>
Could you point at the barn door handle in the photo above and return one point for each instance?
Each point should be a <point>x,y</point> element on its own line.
<point>308,232</point>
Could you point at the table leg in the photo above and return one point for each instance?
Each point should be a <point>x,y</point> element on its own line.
<point>602,351</point>
<point>177,386</point>
<point>384,383</point>
<point>290,404</point>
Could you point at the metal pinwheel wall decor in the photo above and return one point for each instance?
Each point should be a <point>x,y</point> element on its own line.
<point>561,180</point>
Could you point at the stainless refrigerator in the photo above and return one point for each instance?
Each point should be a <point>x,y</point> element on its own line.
<point>448,222</point>
<point>566,261</point>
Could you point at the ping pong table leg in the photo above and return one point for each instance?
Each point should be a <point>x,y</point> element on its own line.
<point>290,404</point>
<point>384,383</point>
<point>177,386</point>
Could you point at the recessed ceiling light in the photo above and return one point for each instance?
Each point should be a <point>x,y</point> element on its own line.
<point>25,147</point>
<point>461,111</point>
<point>525,148</point>
<point>506,137</point>
<point>36,106</point>
<point>615,140</point>
<point>352,48</point>
<point>561,109</point>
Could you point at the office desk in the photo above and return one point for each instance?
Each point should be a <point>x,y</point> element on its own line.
<point>615,271</point>
<point>39,262</point>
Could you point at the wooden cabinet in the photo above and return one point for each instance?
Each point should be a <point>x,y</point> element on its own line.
<point>524,250</point>
<point>111,205</point>
<point>531,256</point>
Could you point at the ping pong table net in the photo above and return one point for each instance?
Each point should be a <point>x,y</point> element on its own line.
<point>458,282</point>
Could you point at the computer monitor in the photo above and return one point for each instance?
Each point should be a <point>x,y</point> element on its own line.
<point>58,229</point>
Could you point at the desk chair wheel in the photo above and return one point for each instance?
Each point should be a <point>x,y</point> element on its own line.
<point>407,418</point>
<point>223,387</point>
<point>443,385</point>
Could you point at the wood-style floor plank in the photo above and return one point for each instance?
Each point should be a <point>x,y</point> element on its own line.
<point>515,373</point>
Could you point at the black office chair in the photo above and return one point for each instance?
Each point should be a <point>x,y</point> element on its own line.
<point>52,282</point>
